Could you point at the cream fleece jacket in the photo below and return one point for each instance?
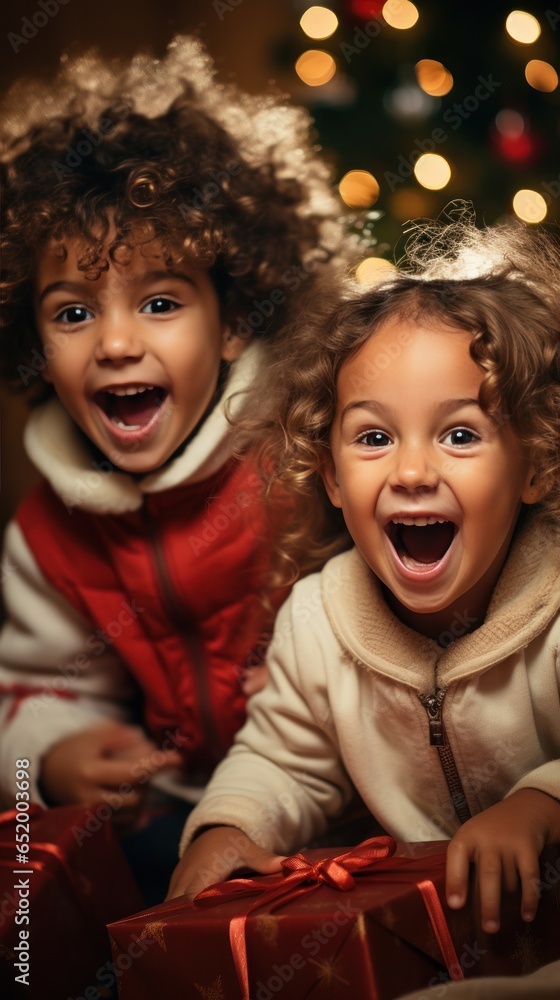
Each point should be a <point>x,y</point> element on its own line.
<point>341,708</point>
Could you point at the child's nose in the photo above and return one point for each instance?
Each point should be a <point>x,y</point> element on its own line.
<point>118,341</point>
<point>415,468</point>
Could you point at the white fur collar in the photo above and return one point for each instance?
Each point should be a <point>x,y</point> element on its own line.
<point>56,448</point>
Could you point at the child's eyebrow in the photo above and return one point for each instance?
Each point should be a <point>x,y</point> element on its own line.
<point>61,286</point>
<point>77,287</point>
<point>446,406</point>
<point>163,274</point>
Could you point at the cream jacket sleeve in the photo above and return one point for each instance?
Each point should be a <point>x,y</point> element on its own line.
<point>283,777</point>
<point>74,679</point>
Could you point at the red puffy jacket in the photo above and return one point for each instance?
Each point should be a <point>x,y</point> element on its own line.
<point>175,587</point>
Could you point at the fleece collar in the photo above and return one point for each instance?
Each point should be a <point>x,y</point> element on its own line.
<point>57,449</point>
<point>526,598</point>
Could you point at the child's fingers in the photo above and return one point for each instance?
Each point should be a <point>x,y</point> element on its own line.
<point>489,873</point>
<point>214,855</point>
<point>111,773</point>
<point>159,761</point>
<point>114,771</point>
<point>457,873</point>
<point>183,883</point>
<point>261,861</point>
<point>189,881</point>
<point>529,873</point>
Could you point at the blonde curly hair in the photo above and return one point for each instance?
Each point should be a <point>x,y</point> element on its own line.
<point>500,284</point>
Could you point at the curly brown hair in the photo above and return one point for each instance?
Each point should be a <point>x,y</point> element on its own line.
<point>502,285</point>
<point>122,156</point>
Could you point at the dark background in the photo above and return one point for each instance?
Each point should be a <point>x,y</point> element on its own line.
<point>257,43</point>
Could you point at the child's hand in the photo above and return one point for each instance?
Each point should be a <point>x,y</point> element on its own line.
<point>111,762</point>
<point>505,841</point>
<point>214,855</point>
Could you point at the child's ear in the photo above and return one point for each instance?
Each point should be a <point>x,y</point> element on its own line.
<point>534,487</point>
<point>232,344</point>
<point>330,480</point>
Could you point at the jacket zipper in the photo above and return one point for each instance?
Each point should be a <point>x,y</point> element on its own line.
<point>433,703</point>
<point>190,634</point>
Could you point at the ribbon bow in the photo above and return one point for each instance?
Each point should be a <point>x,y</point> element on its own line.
<point>299,876</point>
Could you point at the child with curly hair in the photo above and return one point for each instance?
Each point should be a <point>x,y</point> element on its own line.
<point>421,666</point>
<point>159,231</point>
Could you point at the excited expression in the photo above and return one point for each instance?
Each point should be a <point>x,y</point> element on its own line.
<point>134,355</point>
<point>430,484</point>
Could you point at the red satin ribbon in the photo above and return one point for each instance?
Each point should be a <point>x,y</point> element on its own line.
<point>299,876</point>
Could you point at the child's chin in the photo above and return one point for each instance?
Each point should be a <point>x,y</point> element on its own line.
<point>137,465</point>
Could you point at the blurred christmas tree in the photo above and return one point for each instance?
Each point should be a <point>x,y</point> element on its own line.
<point>418,104</point>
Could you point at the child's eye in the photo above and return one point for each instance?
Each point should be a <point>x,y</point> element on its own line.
<point>160,304</point>
<point>460,436</point>
<point>374,439</point>
<point>74,315</point>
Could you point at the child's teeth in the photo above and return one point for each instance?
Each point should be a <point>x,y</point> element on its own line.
<point>127,427</point>
<point>420,522</point>
<point>130,392</point>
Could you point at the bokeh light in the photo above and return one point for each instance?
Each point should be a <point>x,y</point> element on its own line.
<point>541,76</point>
<point>522,27</point>
<point>433,77</point>
<point>432,171</point>
<point>409,103</point>
<point>359,189</point>
<point>315,67</point>
<point>400,14</point>
<point>513,139</point>
<point>529,206</point>
<point>319,22</point>
<point>510,123</point>
<point>373,269</point>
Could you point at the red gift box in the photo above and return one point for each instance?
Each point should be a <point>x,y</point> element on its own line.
<point>373,940</point>
<point>57,903</point>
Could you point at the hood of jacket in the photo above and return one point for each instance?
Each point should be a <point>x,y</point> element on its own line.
<point>56,447</point>
<point>525,600</point>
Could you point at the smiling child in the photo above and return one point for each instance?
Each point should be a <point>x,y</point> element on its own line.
<point>421,666</point>
<point>159,231</point>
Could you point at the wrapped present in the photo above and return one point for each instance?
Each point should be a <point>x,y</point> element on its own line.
<point>56,901</point>
<point>364,923</point>
<point>367,923</point>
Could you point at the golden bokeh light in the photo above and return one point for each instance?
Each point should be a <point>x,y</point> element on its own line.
<point>400,14</point>
<point>433,77</point>
<point>372,270</point>
<point>529,206</point>
<point>359,189</point>
<point>522,27</point>
<point>319,22</point>
<point>432,171</point>
<point>315,67</point>
<point>541,76</point>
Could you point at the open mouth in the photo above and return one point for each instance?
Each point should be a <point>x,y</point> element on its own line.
<point>131,408</point>
<point>421,542</point>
